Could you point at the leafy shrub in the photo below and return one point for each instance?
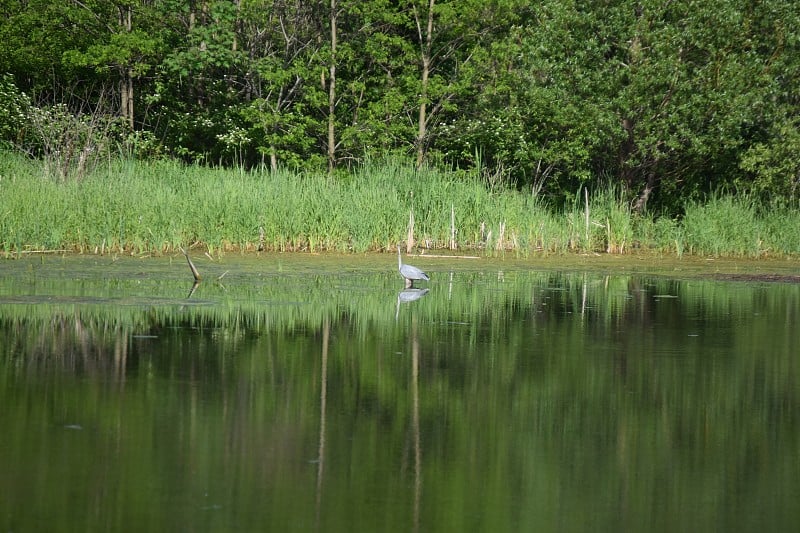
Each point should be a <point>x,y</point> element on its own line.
<point>14,108</point>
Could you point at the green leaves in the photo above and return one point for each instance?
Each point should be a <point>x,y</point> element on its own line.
<point>668,100</point>
<point>127,49</point>
<point>14,109</point>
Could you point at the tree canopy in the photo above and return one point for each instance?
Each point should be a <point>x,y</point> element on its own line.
<point>664,99</point>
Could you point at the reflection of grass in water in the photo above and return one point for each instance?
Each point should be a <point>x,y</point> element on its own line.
<point>266,302</point>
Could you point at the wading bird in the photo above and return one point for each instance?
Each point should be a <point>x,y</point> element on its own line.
<point>410,273</point>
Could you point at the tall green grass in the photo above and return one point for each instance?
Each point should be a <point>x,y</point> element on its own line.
<point>727,225</point>
<point>158,207</point>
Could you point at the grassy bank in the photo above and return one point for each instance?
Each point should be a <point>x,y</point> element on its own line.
<point>160,207</point>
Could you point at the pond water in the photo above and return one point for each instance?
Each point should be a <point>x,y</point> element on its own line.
<point>301,393</point>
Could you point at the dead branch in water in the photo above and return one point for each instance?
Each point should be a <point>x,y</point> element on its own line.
<point>195,273</point>
<point>191,291</point>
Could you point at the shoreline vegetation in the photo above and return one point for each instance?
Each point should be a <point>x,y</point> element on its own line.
<point>164,206</point>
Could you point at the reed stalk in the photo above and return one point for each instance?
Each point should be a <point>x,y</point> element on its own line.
<point>410,234</point>
<point>453,245</point>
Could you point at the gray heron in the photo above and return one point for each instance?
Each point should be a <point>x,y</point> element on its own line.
<point>410,273</point>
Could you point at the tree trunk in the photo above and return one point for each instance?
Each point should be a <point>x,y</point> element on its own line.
<point>126,81</point>
<point>127,97</point>
<point>425,46</point>
<point>641,203</point>
<point>273,158</point>
<point>332,94</point>
<point>626,151</point>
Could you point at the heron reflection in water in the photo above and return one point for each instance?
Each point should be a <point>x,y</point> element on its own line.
<point>410,295</point>
<point>410,273</point>
<point>406,296</point>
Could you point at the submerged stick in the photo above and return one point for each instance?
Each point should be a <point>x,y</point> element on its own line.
<point>195,273</point>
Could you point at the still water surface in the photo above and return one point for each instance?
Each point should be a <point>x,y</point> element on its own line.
<point>303,394</point>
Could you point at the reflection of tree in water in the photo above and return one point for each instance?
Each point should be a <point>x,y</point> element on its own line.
<point>110,348</point>
<point>588,383</point>
<point>71,343</point>
<point>323,402</point>
<point>415,429</point>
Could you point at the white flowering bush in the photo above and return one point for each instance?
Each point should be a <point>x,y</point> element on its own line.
<point>14,108</point>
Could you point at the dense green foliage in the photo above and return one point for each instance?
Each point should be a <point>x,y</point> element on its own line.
<point>666,100</point>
